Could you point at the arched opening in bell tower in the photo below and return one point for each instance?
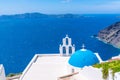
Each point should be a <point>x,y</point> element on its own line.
<point>64,50</point>
<point>67,41</point>
<point>70,50</point>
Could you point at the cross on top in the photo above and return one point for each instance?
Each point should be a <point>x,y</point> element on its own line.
<point>83,46</point>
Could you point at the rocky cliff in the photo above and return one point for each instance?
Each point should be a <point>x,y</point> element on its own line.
<point>111,35</point>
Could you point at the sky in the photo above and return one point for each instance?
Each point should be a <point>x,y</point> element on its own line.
<point>60,6</point>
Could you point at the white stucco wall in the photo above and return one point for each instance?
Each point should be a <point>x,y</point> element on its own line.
<point>2,73</point>
<point>116,76</point>
<point>91,73</point>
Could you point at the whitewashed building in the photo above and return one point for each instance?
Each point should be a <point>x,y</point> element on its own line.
<point>2,72</point>
<point>66,65</point>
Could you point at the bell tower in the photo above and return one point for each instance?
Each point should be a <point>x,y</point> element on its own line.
<point>66,48</point>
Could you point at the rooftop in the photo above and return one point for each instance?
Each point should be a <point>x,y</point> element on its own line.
<point>51,66</point>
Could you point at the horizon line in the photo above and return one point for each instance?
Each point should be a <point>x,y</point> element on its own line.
<point>53,13</point>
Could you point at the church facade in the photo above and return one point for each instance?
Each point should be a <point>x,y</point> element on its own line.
<point>68,64</point>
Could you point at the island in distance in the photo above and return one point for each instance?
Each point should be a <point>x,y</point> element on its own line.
<point>111,35</point>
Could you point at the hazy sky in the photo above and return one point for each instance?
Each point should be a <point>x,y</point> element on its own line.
<point>59,6</point>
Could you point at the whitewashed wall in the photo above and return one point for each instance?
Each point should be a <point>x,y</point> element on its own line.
<point>2,73</point>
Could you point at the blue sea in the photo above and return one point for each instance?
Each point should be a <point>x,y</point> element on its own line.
<point>21,39</point>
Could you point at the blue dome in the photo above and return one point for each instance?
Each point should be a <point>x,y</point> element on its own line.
<point>83,58</point>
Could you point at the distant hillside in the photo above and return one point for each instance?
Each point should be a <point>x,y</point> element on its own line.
<point>26,15</point>
<point>111,35</point>
<point>39,15</point>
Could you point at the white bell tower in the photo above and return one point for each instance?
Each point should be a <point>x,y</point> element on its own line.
<point>66,48</point>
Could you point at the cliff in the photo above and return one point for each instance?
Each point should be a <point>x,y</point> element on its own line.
<point>111,35</point>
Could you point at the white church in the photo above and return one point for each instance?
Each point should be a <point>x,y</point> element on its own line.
<point>68,64</point>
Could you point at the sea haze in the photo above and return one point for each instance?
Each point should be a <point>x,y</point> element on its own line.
<point>24,35</point>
